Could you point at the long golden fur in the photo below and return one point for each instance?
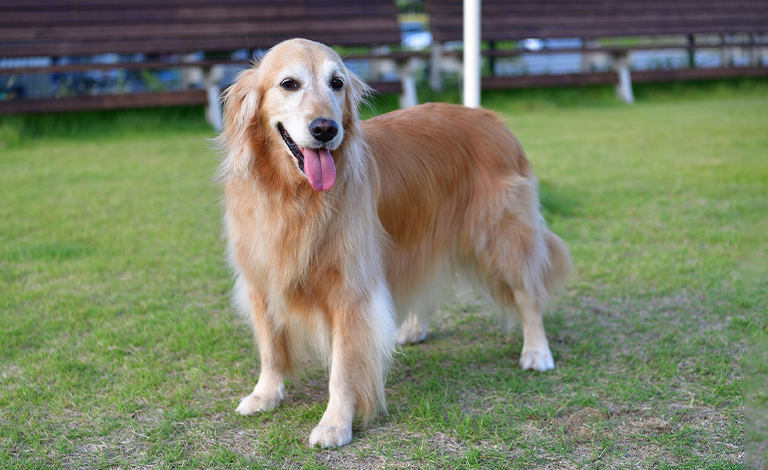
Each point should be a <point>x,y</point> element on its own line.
<point>347,255</point>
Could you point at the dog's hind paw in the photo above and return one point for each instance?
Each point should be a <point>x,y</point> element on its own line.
<point>328,436</point>
<point>406,336</point>
<point>413,330</point>
<point>536,359</point>
<point>253,404</point>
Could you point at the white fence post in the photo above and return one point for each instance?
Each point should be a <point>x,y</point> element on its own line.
<point>624,88</point>
<point>472,53</point>
<point>213,111</point>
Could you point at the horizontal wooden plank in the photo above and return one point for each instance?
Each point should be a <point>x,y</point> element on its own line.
<point>104,4</point>
<point>584,31</point>
<point>155,65</point>
<point>590,6</point>
<point>536,81</point>
<point>577,18</point>
<point>609,50</point>
<point>386,87</point>
<point>618,13</point>
<point>265,26</point>
<point>188,14</point>
<point>116,66</point>
<point>698,74</point>
<point>88,103</point>
<point>565,18</point>
<point>595,18</point>
<point>611,78</point>
<point>84,27</point>
<point>149,65</point>
<point>132,100</point>
<point>513,20</point>
<point>192,44</point>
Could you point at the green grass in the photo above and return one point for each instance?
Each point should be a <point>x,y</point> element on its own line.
<point>118,346</point>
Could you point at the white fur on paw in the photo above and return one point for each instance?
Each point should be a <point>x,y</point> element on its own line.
<point>536,359</point>
<point>408,336</point>
<point>327,436</point>
<point>253,404</point>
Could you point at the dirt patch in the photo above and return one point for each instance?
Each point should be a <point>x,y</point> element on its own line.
<point>584,425</point>
<point>345,460</point>
<point>445,444</point>
<point>372,449</point>
<point>311,388</point>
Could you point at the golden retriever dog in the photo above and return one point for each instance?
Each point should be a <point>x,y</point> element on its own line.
<point>343,234</point>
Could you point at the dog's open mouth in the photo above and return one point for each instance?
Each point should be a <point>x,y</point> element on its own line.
<point>316,164</point>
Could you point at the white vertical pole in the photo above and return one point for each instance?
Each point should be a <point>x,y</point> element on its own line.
<point>213,112</point>
<point>624,88</point>
<point>472,53</point>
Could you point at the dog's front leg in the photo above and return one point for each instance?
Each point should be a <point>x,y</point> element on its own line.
<point>274,358</point>
<point>363,339</point>
<point>335,428</point>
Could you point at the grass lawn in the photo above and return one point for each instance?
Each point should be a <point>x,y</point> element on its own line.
<point>119,349</point>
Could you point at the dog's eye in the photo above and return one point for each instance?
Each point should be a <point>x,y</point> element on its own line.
<point>290,84</point>
<point>336,83</point>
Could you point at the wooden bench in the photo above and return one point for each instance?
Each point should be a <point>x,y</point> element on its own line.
<point>187,35</point>
<point>609,31</point>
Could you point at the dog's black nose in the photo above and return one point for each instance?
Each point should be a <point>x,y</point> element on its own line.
<point>323,130</point>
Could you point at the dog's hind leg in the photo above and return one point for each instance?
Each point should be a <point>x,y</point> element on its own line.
<point>414,329</point>
<point>273,351</point>
<point>420,303</point>
<point>535,354</point>
<point>529,296</point>
<point>514,267</point>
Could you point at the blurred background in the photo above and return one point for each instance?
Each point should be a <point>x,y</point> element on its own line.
<point>95,54</point>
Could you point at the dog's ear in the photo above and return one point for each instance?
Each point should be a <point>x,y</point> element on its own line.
<point>241,105</point>
<point>241,101</point>
<point>357,91</point>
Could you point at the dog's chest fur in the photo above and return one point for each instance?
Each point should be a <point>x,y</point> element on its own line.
<point>274,241</point>
<point>297,250</point>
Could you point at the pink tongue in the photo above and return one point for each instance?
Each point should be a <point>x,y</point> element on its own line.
<point>319,168</point>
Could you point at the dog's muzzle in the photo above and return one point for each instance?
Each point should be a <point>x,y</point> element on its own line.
<point>316,164</point>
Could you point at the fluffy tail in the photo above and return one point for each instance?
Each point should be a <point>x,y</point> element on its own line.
<point>559,263</point>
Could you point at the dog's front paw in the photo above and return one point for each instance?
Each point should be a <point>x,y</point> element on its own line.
<point>537,359</point>
<point>330,436</point>
<point>253,404</point>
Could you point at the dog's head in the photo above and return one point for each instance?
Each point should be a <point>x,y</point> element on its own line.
<point>288,117</point>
